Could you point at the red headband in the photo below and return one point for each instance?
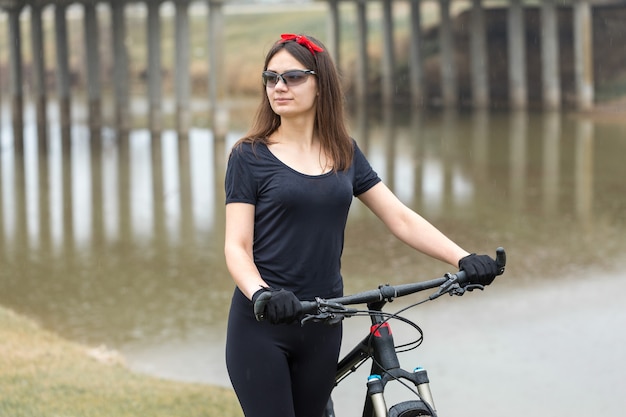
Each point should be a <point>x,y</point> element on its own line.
<point>302,40</point>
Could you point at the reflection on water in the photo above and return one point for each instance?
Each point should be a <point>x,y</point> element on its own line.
<point>118,240</point>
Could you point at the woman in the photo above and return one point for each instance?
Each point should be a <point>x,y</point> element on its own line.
<point>289,185</point>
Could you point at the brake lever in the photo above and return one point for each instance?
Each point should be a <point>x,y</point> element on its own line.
<point>450,285</point>
<point>329,318</point>
<point>456,289</point>
<point>330,313</point>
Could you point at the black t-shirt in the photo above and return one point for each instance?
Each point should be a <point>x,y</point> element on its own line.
<point>299,219</point>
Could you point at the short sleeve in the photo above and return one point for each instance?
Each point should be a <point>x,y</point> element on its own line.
<point>364,175</point>
<point>240,184</point>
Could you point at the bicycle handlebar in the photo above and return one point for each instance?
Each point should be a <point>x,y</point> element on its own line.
<point>450,283</point>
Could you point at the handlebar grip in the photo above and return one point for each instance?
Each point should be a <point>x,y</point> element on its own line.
<point>461,276</point>
<point>259,305</point>
<point>308,307</point>
<point>500,260</point>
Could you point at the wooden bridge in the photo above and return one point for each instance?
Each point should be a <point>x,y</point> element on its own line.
<point>583,56</point>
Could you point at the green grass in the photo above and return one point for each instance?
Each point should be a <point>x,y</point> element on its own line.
<point>44,375</point>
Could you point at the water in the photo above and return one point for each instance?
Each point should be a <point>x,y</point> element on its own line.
<point>118,242</point>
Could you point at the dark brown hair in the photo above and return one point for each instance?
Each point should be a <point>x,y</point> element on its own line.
<point>329,124</point>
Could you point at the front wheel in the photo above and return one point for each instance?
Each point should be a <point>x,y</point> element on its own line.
<point>411,409</point>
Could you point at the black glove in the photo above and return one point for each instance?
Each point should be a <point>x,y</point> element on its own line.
<point>480,269</point>
<point>282,307</point>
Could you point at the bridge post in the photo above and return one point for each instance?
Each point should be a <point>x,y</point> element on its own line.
<point>388,60</point>
<point>449,84</point>
<point>15,76</point>
<point>550,56</point>
<point>219,115</point>
<point>62,63</point>
<point>154,66</point>
<point>479,57</point>
<point>120,65</point>
<point>39,72</point>
<point>181,70</point>
<point>517,55</point>
<point>334,43</point>
<point>92,64</point>
<point>583,54</point>
<point>362,71</point>
<point>416,73</point>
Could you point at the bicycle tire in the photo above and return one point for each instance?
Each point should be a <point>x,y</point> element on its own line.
<point>410,409</point>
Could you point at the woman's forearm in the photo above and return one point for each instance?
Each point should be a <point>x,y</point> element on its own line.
<point>421,235</point>
<point>243,271</point>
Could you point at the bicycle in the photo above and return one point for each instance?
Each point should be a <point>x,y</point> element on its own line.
<point>379,344</point>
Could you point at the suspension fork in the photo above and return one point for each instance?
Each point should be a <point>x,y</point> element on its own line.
<point>387,365</point>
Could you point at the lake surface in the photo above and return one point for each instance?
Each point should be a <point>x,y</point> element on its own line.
<point>118,241</point>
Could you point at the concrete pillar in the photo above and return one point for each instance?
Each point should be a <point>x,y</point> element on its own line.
<point>449,84</point>
<point>120,66</point>
<point>550,56</point>
<point>362,56</point>
<point>62,66</point>
<point>478,56</point>
<point>92,64</point>
<point>39,72</point>
<point>387,64</point>
<point>416,73</point>
<point>181,71</point>
<point>16,78</point>
<point>154,66</point>
<point>518,94</point>
<point>583,54</point>
<point>217,90</point>
<point>333,43</point>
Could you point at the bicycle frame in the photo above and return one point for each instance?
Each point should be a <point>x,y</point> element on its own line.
<point>379,345</point>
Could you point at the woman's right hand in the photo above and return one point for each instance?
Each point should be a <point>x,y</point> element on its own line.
<point>282,307</point>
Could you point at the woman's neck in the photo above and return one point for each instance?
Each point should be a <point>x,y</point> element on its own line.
<point>301,150</point>
<point>295,134</point>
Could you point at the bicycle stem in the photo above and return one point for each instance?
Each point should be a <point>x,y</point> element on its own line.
<point>383,347</point>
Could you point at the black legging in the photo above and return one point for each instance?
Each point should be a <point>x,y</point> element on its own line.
<point>280,370</point>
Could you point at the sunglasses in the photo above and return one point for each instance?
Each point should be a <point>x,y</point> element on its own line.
<point>289,78</point>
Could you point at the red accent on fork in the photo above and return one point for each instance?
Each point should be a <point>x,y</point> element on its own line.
<point>375,329</point>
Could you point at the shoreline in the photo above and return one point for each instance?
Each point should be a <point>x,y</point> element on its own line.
<point>72,379</point>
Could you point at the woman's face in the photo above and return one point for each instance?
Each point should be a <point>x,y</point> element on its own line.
<point>291,100</point>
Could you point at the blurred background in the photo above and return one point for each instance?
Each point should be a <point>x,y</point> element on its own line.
<point>112,202</point>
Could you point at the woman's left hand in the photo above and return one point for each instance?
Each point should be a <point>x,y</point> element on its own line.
<point>480,269</point>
